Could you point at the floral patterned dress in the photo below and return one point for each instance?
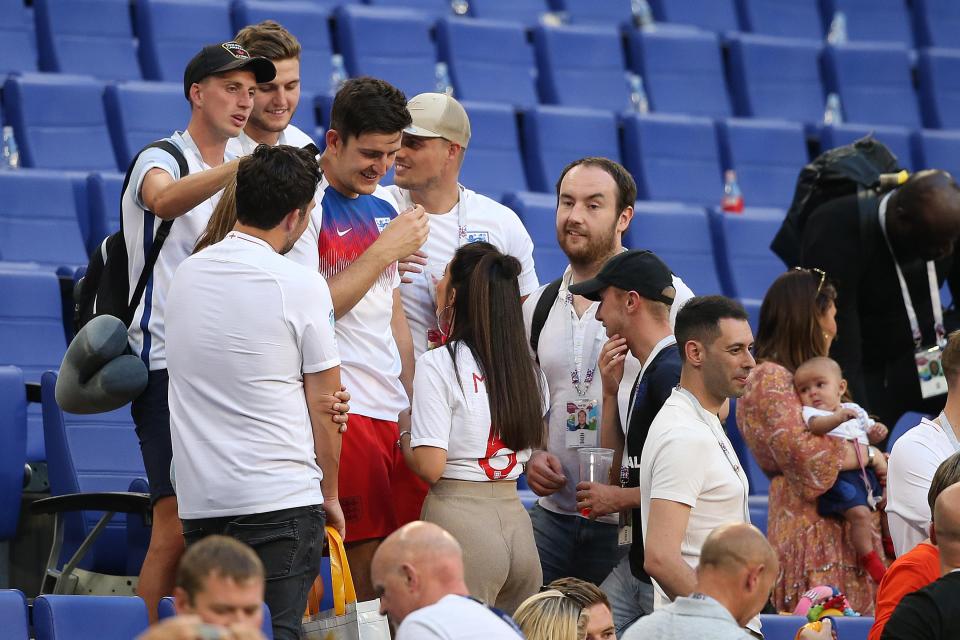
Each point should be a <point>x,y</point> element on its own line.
<point>813,550</point>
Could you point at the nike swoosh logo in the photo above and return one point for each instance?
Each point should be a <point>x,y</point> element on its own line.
<point>343,233</point>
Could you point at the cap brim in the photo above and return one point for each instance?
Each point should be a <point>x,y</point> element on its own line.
<point>589,289</point>
<point>420,132</point>
<point>263,70</point>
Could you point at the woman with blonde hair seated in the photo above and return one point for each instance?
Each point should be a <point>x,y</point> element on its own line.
<point>551,615</point>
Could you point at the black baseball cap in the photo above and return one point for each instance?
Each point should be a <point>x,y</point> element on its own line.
<point>223,57</point>
<point>640,271</point>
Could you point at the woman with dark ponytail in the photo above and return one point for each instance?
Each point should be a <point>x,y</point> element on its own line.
<point>478,406</point>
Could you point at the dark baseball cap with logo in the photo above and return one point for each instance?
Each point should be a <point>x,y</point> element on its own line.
<point>223,57</point>
<point>640,271</point>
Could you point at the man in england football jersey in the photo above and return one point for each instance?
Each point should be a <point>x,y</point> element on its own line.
<point>427,174</point>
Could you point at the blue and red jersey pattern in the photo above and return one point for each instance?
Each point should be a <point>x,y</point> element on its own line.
<point>350,225</point>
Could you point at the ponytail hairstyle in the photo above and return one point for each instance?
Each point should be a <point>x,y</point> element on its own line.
<point>222,219</point>
<point>488,320</point>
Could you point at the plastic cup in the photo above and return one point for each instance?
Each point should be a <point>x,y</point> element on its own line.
<point>595,463</point>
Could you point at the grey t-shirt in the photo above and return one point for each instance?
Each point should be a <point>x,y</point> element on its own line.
<point>698,616</point>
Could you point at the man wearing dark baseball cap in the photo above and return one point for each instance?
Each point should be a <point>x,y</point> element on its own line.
<point>219,82</point>
<point>640,271</point>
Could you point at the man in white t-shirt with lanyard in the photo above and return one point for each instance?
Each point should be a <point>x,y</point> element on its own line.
<point>917,454</point>
<point>219,82</point>
<point>691,481</point>
<point>427,174</point>
<point>418,576</point>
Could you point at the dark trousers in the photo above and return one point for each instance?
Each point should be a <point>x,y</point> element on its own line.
<point>289,543</point>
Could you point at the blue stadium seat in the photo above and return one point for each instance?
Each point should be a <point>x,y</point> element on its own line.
<point>89,617</point>
<point>680,235</point>
<point>897,139</point>
<point>393,44</point>
<point>673,158</point>
<point>938,76</point>
<point>553,137</point>
<point>937,22</point>
<point>168,608</point>
<point>907,421</point>
<point>777,627</point>
<point>782,18</point>
<point>776,78</point>
<point>31,335</point>
<point>305,117</point>
<point>853,628</point>
<point>103,205</point>
<point>758,518</point>
<point>538,212</point>
<point>93,37</point>
<point>171,32</point>
<point>682,71</point>
<point>140,113</point>
<point>89,454</point>
<point>874,83</point>
<point>40,218</point>
<point>489,61</point>
<point>712,15</point>
<point>759,483</point>
<point>581,67</point>
<point>51,136</point>
<point>937,150</point>
<point>528,12</point>
<point>742,243</point>
<point>15,616</point>
<point>309,22</point>
<point>493,164</point>
<point>607,12</point>
<point>432,8</point>
<point>18,50</point>
<point>873,20</point>
<point>13,453</point>
<point>767,156</point>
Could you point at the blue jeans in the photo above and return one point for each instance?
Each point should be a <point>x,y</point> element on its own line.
<point>630,599</point>
<point>289,543</point>
<point>571,546</point>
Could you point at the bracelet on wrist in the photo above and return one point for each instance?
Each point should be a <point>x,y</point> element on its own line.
<point>400,438</point>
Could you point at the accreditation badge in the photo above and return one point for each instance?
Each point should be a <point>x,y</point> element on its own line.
<point>583,423</point>
<point>930,372</point>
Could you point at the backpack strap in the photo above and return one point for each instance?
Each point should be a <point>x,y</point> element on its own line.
<point>541,311</point>
<point>162,231</point>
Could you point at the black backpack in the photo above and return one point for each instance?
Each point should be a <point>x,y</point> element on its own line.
<point>848,170</point>
<point>105,288</point>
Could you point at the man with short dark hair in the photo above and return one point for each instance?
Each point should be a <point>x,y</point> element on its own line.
<point>680,502</point>
<point>252,354</point>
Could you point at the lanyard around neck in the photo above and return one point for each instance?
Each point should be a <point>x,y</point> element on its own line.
<point>575,356</point>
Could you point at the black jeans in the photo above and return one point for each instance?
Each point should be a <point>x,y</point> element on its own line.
<point>289,543</point>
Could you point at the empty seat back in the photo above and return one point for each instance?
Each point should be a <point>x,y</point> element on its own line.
<point>493,164</point>
<point>89,617</point>
<point>673,158</point>
<point>93,37</point>
<point>581,66</point>
<point>874,83</point>
<point>784,18</point>
<point>51,136</point>
<point>680,235</point>
<point>528,12</point>
<point>682,71</point>
<point>873,20</point>
<point>13,612</point>
<point>938,22</point>
<point>776,78</point>
<point>538,212</point>
<point>103,205</point>
<point>614,13</point>
<point>897,139</point>
<point>489,61</point>
<point>938,74</point>
<point>143,112</point>
<point>13,455</point>
<point>18,50</point>
<point>393,44</point>
<point>747,265</point>
<point>938,150</point>
<point>767,156</point>
<point>556,136</point>
<point>432,8</point>
<point>309,22</point>
<point>713,15</point>
<point>171,32</point>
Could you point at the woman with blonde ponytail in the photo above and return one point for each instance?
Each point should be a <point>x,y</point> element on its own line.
<point>478,406</point>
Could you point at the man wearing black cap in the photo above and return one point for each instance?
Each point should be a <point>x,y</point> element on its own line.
<point>635,290</point>
<point>219,82</point>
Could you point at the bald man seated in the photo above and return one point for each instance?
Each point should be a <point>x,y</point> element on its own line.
<point>734,578</point>
<point>933,613</point>
<point>417,572</point>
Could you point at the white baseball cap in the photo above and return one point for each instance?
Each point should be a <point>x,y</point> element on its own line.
<point>437,115</point>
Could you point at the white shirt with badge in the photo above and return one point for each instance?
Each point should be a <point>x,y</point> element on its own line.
<point>451,411</point>
<point>483,219</point>
<point>245,325</point>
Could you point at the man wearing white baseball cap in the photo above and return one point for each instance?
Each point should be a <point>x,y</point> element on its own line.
<point>427,173</point>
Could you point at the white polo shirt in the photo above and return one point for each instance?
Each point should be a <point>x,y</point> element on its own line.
<point>147,331</point>
<point>455,617</point>
<point>243,145</point>
<point>556,347</point>
<point>913,461</point>
<point>244,325</point>
<point>484,219</point>
<point>452,412</point>
<point>687,458</point>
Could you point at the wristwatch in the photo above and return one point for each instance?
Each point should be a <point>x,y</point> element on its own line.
<point>406,433</point>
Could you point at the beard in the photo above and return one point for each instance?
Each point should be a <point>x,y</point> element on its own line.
<point>597,248</point>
